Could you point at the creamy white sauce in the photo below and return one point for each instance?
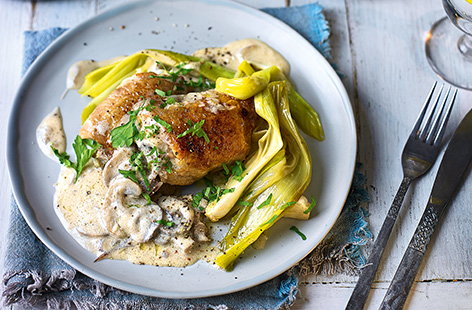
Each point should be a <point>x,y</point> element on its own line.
<point>50,133</point>
<point>253,51</point>
<point>121,227</point>
<point>78,71</point>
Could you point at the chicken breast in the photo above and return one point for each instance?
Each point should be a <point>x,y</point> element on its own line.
<point>109,114</point>
<point>225,135</point>
<point>174,157</point>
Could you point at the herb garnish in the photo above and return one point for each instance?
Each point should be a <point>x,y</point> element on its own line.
<point>136,161</point>
<point>271,220</point>
<point>129,174</point>
<point>288,204</point>
<point>245,203</point>
<point>165,223</point>
<point>160,92</point>
<point>265,202</point>
<point>84,150</point>
<point>312,205</point>
<point>237,170</point>
<point>125,135</point>
<point>147,197</point>
<point>195,130</point>
<point>166,125</point>
<point>210,193</point>
<point>225,169</point>
<point>296,230</point>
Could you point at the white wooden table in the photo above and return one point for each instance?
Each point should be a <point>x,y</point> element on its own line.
<point>378,46</point>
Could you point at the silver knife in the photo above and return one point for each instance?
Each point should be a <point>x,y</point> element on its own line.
<point>452,170</point>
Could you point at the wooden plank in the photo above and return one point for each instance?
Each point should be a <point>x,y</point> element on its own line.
<point>392,78</point>
<point>426,295</point>
<point>61,13</point>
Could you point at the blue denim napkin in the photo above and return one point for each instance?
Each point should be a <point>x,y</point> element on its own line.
<point>34,276</point>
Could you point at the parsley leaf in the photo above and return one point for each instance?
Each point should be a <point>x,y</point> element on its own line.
<point>147,197</point>
<point>237,170</point>
<point>271,220</point>
<point>245,203</point>
<point>265,202</point>
<point>288,204</point>
<point>312,205</point>
<point>63,158</point>
<point>160,92</point>
<point>165,223</point>
<point>84,150</point>
<point>296,230</point>
<point>195,130</point>
<point>124,135</point>
<point>166,125</point>
<point>129,174</point>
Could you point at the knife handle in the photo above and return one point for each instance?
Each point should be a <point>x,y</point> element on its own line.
<point>405,275</point>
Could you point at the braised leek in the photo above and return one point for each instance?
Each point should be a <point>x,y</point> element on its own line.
<point>250,221</point>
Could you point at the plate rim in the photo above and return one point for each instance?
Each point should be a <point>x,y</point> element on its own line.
<point>27,210</point>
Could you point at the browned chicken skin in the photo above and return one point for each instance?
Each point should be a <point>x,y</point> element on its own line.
<point>109,114</point>
<point>229,124</point>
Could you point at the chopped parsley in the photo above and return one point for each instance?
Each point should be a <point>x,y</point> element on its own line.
<point>265,202</point>
<point>151,130</point>
<point>237,170</point>
<point>129,174</point>
<point>160,92</point>
<point>165,223</point>
<point>195,130</point>
<point>170,100</point>
<point>312,205</point>
<point>84,149</point>
<point>196,199</point>
<point>137,162</point>
<point>168,166</point>
<point>163,123</point>
<point>245,203</point>
<point>288,204</point>
<point>225,169</point>
<point>298,232</point>
<point>210,193</point>
<point>271,220</point>
<point>147,197</point>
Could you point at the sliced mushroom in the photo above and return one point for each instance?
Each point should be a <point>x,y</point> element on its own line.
<point>127,214</point>
<point>111,170</point>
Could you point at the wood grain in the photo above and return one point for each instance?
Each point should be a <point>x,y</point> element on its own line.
<point>378,50</point>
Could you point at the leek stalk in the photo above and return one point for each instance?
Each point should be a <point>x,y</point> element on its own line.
<point>206,68</point>
<point>245,87</point>
<point>250,221</point>
<point>121,69</point>
<point>104,93</point>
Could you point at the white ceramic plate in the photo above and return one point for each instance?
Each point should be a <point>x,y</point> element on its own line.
<point>184,26</point>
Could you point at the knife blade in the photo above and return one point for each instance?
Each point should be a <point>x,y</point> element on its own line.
<point>452,170</point>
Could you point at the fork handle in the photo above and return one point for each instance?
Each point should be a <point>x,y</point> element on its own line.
<point>361,291</point>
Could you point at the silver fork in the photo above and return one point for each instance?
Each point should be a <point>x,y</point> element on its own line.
<point>419,154</point>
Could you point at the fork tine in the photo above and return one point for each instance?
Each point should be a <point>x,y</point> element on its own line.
<point>423,110</point>
<point>425,127</point>
<point>441,126</point>
<point>438,112</point>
